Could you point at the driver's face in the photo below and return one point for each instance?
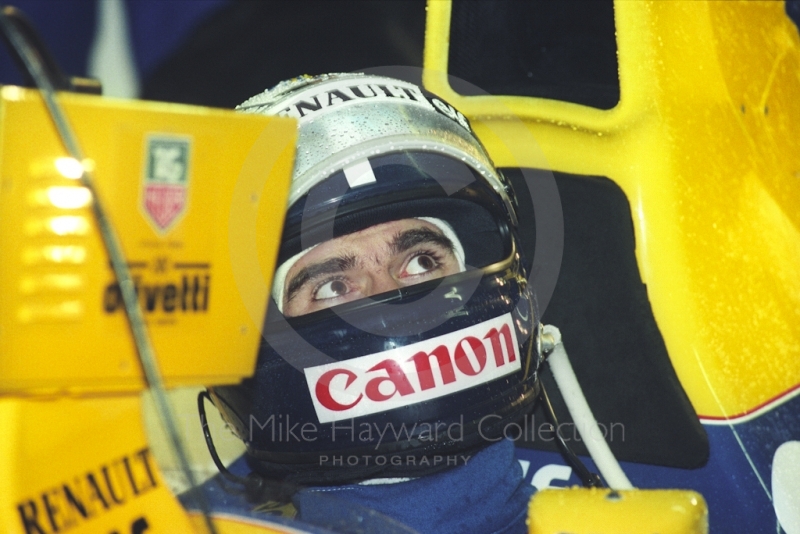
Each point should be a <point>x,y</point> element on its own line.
<point>381,258</point>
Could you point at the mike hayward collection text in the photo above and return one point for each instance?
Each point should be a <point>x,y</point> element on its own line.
<point>284,429</point>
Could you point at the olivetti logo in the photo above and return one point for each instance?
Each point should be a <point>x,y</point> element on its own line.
<point>165,287</point>
<point>166,180</point>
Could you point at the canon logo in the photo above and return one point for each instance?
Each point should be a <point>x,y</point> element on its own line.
<point>418,372</point>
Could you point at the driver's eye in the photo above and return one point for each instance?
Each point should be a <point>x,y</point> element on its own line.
<point>331,289</point>
<point>421,264</point>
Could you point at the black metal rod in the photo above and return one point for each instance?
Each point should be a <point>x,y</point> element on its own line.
<point>35,66</point>
<point>588,479</point>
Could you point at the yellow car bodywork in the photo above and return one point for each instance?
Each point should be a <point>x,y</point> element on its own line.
<point>704,144</point>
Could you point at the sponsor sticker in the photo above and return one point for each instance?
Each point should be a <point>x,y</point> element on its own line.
<point>165,184</point>
<point>415,373</point>
<point>315,101</point>
<point>78,500</point>
<point>164,287</point>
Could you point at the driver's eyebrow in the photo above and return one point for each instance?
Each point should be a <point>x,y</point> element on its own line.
<point>403,241</point>
<point>313,270</point>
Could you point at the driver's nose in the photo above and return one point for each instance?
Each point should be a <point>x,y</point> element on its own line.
<point>380,282</point>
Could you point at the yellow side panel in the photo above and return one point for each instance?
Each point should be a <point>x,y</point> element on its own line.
<point>603,511</point>
<point>242,525</point>
<point>202,259</point>
<point>83,466</point>
<point>704,144</point>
